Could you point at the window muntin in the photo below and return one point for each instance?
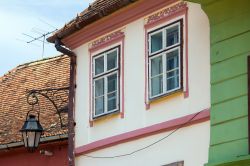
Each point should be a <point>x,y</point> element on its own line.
<point>164,64</point>
<point>106,83</point>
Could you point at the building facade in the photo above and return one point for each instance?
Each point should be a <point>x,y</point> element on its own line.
<point>142,83</point>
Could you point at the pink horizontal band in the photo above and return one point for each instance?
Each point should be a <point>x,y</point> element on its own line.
<point>143,132</point>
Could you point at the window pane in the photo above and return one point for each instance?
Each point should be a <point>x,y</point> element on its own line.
<point>156,85</point>
<point>173,73</point>
<point>172,35</point>
<point>112,101</point>
<point>172,60</point>
<point>99,105</point>
<point>112,60</point>
<point>99,65</point>
<point>156,42</point>
<point>156,66</point>
<point>172,80</point>
<point>112,83</point>
<point>99,87</point>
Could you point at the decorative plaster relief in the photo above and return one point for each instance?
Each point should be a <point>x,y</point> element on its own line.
<point>166,12</point>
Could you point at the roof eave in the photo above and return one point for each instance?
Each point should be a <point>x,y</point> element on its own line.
<point>43,140</point>
<point>78,23</point>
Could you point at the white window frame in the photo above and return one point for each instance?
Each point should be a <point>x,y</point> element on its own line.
<point>105,63</point>
<point>105,75</point>
<point>163,53</point>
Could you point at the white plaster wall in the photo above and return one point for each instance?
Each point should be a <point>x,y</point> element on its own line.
<point>187,144</point>
<point>170,108</point>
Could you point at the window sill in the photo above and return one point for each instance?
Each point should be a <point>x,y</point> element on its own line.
<point>164,97</point>
<point>107,116</point>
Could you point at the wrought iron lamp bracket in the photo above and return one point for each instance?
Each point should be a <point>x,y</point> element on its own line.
<point>52,95</point>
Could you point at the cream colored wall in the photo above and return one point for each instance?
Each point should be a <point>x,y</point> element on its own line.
<point>135,114</point>
<point>188,144</point>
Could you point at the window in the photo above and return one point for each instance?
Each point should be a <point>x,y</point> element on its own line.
<point>165,49</point>
<point>106,82</point>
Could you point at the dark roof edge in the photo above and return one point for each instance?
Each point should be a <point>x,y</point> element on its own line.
<point>88,18</point>
<point>43,140</point>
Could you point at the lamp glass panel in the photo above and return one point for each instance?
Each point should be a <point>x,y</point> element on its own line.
<point>38,135</point>
<point>24,138</point>
<point>31,138</point>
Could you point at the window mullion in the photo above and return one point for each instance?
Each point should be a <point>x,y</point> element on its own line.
<point>93,98</point>
<point>164,38</point>
<point>105,94</point>
<point>164,66</point>
<point>105,84</point>
<point>179,66</point>
<point>164,61</point>
<point>93,66</point>
<point>117,90</point>
<point>105,63</point>
<point>149,77</point>
<point>179,33</point>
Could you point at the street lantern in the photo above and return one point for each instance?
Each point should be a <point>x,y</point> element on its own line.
<point>31,132</point>
<point>32,129</point>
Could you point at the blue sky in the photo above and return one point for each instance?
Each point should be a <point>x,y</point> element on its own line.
<point>31,17</point>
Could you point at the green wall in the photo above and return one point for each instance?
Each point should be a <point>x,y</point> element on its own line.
<point>230,46</point>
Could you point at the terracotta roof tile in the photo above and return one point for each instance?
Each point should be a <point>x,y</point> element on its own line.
<point>46,73</point>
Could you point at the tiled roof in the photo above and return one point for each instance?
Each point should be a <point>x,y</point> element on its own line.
<point>97,10</point>
<point>43,74</point>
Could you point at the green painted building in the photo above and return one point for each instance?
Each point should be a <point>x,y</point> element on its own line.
<point>230,47</point>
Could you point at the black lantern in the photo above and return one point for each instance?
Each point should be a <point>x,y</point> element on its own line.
<point>31,132</point>
<point>32,129</point>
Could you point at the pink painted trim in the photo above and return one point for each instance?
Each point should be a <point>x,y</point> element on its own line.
<point>147,105</point>
<point>90,90</point>
<point>122,79</point>
<point>102,43</point>
<point>115,21</point>
<point>186,92</point>
<point>143,132</point>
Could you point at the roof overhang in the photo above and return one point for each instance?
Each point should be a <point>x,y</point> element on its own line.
<point>96,11</point>
<point>43,140</point>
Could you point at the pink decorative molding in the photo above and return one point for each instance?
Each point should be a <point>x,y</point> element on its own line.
<point>106,40</point>
<point>102,43</point>
<point>166,13</point>
<point>161,17</point>
<point>188,120</point>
